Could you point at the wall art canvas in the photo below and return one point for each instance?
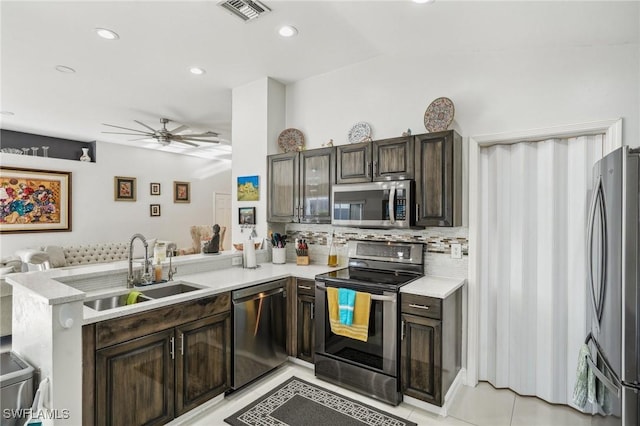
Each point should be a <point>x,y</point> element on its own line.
<point>124,188</point>
<point>154,209</point>
<point>154,188</point>
<point>248,188</point>
<point>247,215</point>
<point>181,192</point>
<point>34,200</point>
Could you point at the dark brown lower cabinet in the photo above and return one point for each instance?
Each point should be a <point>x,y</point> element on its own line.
<point>431,345</point>
<point>137,382</point>
<point>421,355</point>
<point>148,368</point>
<point>306,329</point>
<point>201,361</point>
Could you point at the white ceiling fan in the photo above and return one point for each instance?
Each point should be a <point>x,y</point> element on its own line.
<point>165,136</point>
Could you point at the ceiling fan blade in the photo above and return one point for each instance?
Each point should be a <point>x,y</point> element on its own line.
<point>122,133</point>
<point>178,129</point>
<point>186,143</point>
<point>148,138</point>
<point>196,140</point>
<point>144,125</point>
<point>126,128</point>
<point>197,135</point>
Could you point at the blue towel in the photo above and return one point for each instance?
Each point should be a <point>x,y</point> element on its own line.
<point>346,302</point>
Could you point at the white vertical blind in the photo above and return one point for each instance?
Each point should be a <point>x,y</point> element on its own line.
<point>533,218</point>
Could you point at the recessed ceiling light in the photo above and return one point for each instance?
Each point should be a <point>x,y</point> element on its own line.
<point>107,34</point>
<point>287,31</point>
<point>423,1</point>
<point>6,113</point>
<point>65,69</point>
<point>197,70</point>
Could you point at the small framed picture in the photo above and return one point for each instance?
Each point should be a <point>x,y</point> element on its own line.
<point>181,192</point>
<point>247,215</point>
<point>124,188</point>
<point>154,188</point>
<point>154,209</point>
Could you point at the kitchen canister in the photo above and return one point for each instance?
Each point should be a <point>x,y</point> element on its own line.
<point>279,255</point>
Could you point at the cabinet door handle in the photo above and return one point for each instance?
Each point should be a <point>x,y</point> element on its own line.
<point>366,171</point>
<point>402,330</point>
<point>413,305</point>
<point>417,211</point>
<point>305,287</point>
<point>173,343</point>
<point>313,308</point>
<point>375,168</point>
<point>181,343</point>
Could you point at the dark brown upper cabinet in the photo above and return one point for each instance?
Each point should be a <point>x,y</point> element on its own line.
<point>299,186</point>
<point>438,166</point>
<point>385,159</point>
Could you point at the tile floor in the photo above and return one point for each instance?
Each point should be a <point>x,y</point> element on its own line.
<point>480,406</point>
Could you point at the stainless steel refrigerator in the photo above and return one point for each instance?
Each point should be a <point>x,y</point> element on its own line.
<point>613,286</point>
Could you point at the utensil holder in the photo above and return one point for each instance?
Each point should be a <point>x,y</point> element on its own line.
<point>279,255</point>
<point>302,260</point>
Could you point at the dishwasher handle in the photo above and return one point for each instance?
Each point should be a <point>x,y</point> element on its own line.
<point>258,296</point>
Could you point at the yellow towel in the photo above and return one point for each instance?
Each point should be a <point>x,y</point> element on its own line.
<point>359,329</point>
<point>132,297</point>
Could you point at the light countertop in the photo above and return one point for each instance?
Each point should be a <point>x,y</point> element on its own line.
<point>433,286</point>
<point>210,283</point>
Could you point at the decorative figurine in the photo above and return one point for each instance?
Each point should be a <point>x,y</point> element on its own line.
<point>328,144</point>
<point>407,133</point>
<point>213,246</point>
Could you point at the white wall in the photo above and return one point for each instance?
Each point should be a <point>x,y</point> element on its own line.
<point>493,92</point>
<point>258,117</point>
<point>96,217</point>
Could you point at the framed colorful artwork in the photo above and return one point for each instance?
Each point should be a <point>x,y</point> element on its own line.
<point>247,215</point>
<point>181,192</point>
<point>154,209</point>
<point>34,200</point>
<point>248,188</point>
<point>154,188</point>
<point>124,188</point>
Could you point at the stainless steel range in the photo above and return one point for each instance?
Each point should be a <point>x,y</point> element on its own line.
<point>371,367</point>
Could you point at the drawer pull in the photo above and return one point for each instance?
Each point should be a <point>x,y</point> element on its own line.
<point>304,287</point>
<point>413,305</point>
<point>172,351</point>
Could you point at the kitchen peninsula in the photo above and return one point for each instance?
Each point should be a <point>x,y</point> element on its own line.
<point>52,302</point>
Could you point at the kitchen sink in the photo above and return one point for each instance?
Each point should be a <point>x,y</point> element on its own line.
<point>169,290</point>
<point>146,295</point>
<point>113,302</point>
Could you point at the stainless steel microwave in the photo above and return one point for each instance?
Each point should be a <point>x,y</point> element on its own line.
<point>374,204</point>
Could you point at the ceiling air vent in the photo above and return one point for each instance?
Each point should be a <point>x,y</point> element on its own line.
<point>245,9</point>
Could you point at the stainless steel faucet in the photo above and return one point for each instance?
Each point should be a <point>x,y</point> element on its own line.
<point>172,271</point>
<point>146,277</point>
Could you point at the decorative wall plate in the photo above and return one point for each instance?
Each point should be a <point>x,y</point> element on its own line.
<point>439,115</point>
<point>291,140</point>
<point>360,132</point>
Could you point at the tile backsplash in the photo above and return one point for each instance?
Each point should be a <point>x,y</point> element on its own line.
<point>438,242</point>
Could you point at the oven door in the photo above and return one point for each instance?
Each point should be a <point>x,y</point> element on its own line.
<point>380,352</point>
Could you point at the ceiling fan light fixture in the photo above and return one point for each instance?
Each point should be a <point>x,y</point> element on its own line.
<point>288,31</point>
<point>197,70</point>
<point>107,34</point>
<point>423,1</point>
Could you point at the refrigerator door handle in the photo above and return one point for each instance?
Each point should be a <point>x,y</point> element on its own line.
<point>603,252</point>
<point>591,223</point>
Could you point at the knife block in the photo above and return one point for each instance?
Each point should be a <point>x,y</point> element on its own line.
<point>302,260</point>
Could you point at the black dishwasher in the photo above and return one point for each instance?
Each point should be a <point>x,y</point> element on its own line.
<point>259,330</point>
